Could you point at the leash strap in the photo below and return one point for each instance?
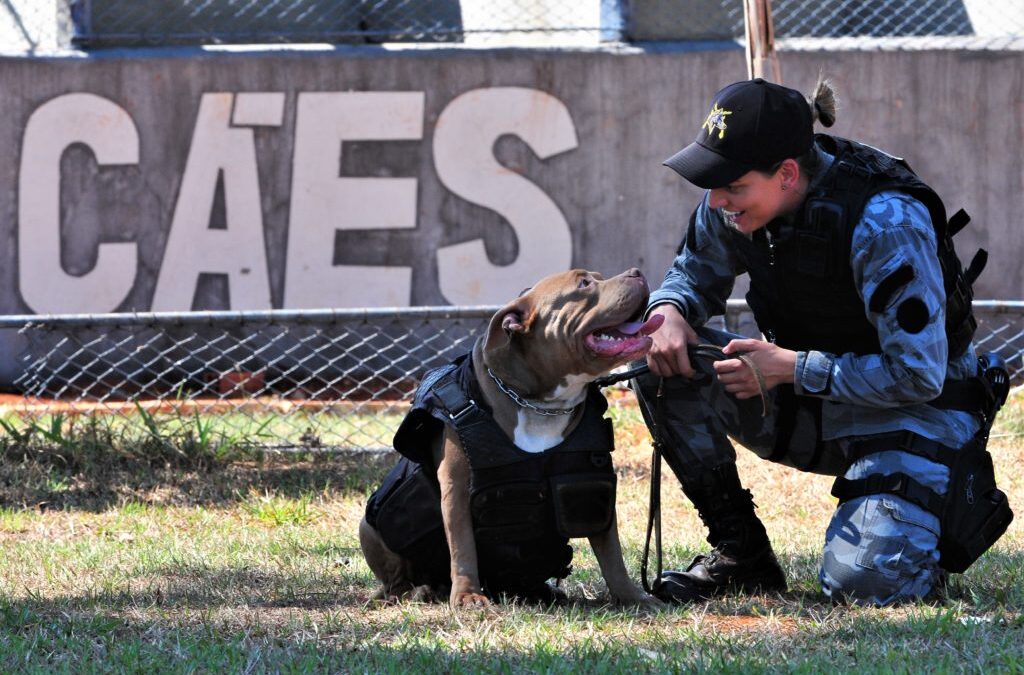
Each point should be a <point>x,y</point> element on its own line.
<point>715,353</point>
<point>708,351</point>
<point>619,376</point>
<point>654,507</point>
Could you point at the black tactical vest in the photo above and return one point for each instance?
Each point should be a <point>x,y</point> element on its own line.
<point>802,291</point>
<point>525,506</point>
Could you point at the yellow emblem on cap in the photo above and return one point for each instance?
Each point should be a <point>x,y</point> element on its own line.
<point>716,120</point>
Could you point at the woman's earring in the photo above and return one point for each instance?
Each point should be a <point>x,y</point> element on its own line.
<point>784,187</point>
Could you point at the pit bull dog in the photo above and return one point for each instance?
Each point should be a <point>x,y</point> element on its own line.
<point>506,453</point>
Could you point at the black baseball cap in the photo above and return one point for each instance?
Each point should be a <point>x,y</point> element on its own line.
<point>752,124</point>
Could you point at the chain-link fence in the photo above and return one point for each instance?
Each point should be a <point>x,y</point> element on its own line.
<point>279,379</point>
<point>39,25</point>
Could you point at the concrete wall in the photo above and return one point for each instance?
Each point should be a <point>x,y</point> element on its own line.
<point>183,179</point>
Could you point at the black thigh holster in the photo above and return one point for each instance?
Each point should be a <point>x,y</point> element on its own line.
<point>976,512</point>
<point>973,513</point>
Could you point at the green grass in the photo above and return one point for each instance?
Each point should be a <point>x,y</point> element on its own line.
<point>186,438</point>
<point>274,510</point>
<point>123,561</point>
<point>1010,421</point>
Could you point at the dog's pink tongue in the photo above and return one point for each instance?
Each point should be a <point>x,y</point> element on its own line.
<point>629,338</point>
<point>643,327</point>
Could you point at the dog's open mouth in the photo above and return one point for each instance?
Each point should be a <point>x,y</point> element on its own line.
<point>626,339</point>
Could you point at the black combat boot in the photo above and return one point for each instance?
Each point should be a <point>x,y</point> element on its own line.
<point>742,558</point>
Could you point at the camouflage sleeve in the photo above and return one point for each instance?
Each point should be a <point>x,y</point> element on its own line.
<point>702,276</point>
<point>897,272</point>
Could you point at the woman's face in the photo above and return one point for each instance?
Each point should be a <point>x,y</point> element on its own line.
<point>753,200</point>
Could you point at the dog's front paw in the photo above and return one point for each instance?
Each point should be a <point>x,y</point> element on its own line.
<point>640,599</point>
<point>649,602</point>
<point>468,599</point>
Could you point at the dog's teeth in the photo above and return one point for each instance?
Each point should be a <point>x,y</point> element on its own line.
<point>611,338</point>
<point>605,337</point>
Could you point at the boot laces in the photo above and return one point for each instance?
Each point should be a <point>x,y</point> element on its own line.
<point>709,559</point>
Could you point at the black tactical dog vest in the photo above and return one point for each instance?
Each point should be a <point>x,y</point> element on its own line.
<point>802,291</point>
<point>525,506</point>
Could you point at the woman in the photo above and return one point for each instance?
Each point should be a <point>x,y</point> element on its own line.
<point>849,256</point>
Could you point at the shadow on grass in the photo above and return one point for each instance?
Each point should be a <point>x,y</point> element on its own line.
<point>39,638</point>
<point>179,617</point>
<point>239,590</point>
<point>27,483</point>
<point>335,581</point>
<point>238,619</point>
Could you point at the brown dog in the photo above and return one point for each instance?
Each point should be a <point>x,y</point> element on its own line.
<point>532,372</point>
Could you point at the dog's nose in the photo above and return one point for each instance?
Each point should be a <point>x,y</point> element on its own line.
<point>634,272</point>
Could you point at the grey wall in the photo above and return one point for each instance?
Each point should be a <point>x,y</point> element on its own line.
<point>956,115</point>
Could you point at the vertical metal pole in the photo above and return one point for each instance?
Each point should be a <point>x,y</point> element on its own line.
<point>762,61</point>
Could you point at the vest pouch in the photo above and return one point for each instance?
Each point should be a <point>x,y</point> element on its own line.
<point>408,511</point>
<point>513,568</point>
<point>976,513</point>
<point>584,504</point>
<point>509,512</point>
<point>813,251</point>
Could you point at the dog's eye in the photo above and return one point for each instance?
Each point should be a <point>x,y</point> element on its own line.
<point>584,282</point>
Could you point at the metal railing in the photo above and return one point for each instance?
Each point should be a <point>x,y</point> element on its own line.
<point>38,25</point>
<point>286,380</point>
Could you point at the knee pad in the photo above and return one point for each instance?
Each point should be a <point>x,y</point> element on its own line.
<point>843,583</point>
<point>879,550</point>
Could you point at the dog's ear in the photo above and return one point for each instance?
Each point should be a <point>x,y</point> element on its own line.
<point>511,320</point>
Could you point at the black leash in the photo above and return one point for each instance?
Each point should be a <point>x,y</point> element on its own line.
<point>654,508</point>
<point>654,504</point>
<point>708,351</point>
<point>612,378</point>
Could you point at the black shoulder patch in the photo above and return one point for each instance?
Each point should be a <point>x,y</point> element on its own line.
<point>892,283</point>
<point>912,315</point>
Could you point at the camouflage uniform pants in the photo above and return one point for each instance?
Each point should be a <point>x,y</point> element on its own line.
<point>879,549</point>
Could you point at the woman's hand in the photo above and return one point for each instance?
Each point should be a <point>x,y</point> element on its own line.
<point>775,364</point>
<point>668,356</point>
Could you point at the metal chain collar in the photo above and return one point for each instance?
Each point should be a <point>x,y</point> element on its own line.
<point>523,403</point>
